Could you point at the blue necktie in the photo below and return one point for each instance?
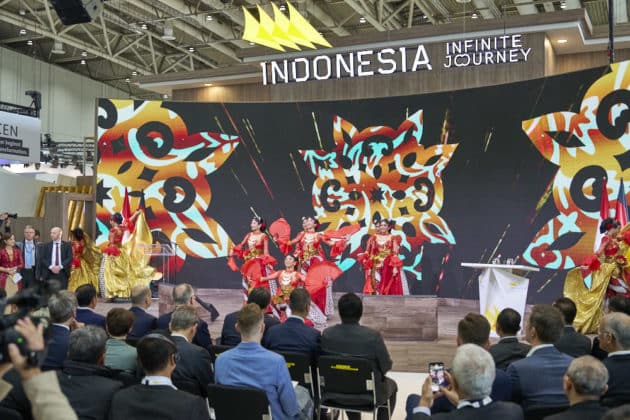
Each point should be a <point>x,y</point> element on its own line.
<point>29,255</point>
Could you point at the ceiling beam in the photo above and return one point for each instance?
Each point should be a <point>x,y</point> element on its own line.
<point>525,9</point>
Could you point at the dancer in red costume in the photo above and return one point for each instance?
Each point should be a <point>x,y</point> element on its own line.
<point>383,267</point>
<point>254,251</point>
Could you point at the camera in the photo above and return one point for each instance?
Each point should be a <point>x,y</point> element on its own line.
<point>12,215</point>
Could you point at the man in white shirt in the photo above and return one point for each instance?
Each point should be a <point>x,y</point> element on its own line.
<point>55,259</point>
<point>29,251</point>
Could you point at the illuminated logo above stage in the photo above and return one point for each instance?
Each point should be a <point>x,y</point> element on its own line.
<point>281,32</point>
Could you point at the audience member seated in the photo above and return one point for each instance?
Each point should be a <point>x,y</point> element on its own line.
<point>616,303</point>
<point>537,379</point>
<point>250,365</point>
<point>473,329</point>
<point>84,380</point>
<point>571,342</point>
<point>352,339</point>
<point>294,335</point>
<point>87,300</point>
<point>584,383</point>
<point>614,337</point>
<point>156,397</point>
<point>120,355</point>
<point>261,297</point>
<point>508,349</point>
<point>193,372</point>
<point>471,383</point>
<point>143,322</point>
<point>183,294</point>
<point>62,311</point>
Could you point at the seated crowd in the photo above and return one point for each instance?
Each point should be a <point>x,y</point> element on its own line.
<point>131,365</point>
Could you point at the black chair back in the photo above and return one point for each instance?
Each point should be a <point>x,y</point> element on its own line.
<point>542,412</point>
<point>346,375</point>
<point>234,402</point>
<point>300,367</point>
<point>217,349</point>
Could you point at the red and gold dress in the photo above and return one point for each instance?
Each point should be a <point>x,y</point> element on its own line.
<point>288,281</point>
<point>310,253</point>
<point>609,271</point>
<point>10,259</point>
<point>86,262</point>
<point>383,267</point>
<point>257,263</point>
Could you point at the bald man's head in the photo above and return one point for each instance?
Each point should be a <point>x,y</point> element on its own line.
<point>182,293</point>
<point>56,233</point>
<point>139,295</point>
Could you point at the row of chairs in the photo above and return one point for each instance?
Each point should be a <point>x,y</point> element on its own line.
<point>344,383</point>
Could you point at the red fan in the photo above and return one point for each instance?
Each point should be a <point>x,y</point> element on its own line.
<point>232,264</point>
<point>280,229</point>
<point>343,232</point>
<point>251,270</point>
<point>319,274</point>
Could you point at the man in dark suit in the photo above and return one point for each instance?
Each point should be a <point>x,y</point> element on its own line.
<point>86,298</point>
<point>184,294</point>
<point>474,328</point>
<point>156,396</point>
<point>29,251</point>
<point>471,382</point>
<point>537,379</point>
<point>508,349</point>
<point>193,372</point>
<point>84,370</point>
<point>261,297</point>
<point>352,339</point>
<point>54,259</point>
<point>615,304</point>
<point>584,383</point>
<point>614,337</point>
<point>571,342</point>
<point>62,310</point>
<point>143,322</point>
<point>294,335</point>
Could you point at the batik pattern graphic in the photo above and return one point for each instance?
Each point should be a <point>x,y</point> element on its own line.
<point>382,172</point>
<point>586,146</point>
<point>147,147</point>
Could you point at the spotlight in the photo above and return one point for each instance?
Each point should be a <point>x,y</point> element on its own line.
<point>208,18</point>
<point>84,54</point>
<point>207,84</point>
<point>168,34</point>
<point>58,48</point>
<point>563,5</point>
<point>22,31</point>
<point>29,42</point>
<point>191,49</point>
<point>362,20</point>
<point>127,80</point>
<point>562,41</point>
<point>134,73</point>
<point>165,96</point>
<point>283,7</point>
<point>144,26</point>
<point>251,43</point>
<point>22,12</point>
<point>474,16</point>
<point>83,62</point>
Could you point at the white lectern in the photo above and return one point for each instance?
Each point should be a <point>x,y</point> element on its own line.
<point>500,288</point>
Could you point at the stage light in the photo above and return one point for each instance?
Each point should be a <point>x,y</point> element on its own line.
<point>144,26</point>
<point>127,80</point>
<point>362,20</point>
<point>474,16</point>
<point>168,34</point>
<point>283,7</point>
<point>207,84</point>
<point>84,54</point>
<point>22,31</point>
<point>251,43</point>
<point>191,49</point>
<point>562,41</point>
<point>208,18</point>
<point>83,62</point>
<point>22,12</point>
<point>165,96</point>
<point>134,73</point>
<point>563,5</point>
<point>29,42</point>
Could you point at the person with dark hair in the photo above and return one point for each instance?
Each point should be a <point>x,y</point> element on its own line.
<point>614,336</point>
<point>571,342</point>
<point>537,379</point>
<point>508,349</point>
<point>120,355</point>
<point>584,383</point>
<point>250,365</point>
<point>194,370</point>
<point>352,339</point>
<point>184,294</point>
<point>143,322</point>
<point>230,335</point>
<point>156,397</point>
<point>54,259</point>
<point>294,335</point>
<point>257,263</point>
<point>615,304</point>
<point>383,267</point>
<point>11,263</point>
<point>606,269</point>
<point>87,300</point>
<point>85,262</point>
<point>62,309</point>
<point>84,370</point>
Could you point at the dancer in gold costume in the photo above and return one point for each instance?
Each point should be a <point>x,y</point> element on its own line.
<point>86,260</point>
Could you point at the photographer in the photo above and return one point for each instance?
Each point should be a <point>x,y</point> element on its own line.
<point>5,221</point>
<point>41,388</point>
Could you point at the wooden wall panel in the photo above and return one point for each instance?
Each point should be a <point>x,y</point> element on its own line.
<point>574,62</point>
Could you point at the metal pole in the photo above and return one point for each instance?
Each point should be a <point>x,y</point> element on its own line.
<point>611,35</point>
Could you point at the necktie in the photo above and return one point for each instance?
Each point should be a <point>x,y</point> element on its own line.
<point>29,255</point>
<point>56,262</point>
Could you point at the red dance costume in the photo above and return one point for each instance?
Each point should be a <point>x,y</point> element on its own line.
<point>115,241</point>
<point>609,248</point>
<point>77,250</point>
<point>310,252</point>
<point>383,267</point>
<point>10,260</point>
<point>254,251</point>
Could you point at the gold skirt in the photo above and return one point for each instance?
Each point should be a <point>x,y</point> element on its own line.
<point>86,273</point>
<point>120,273</point>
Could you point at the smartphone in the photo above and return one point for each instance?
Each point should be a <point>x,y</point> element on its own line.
<point>436,372</point>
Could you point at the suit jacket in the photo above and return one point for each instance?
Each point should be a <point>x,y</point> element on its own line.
<point>193,371</point>
<point>44,254</point>
<point>76,378</point>
<point>537,379</point>
<point>508,350</point>
<point>142,324</point>
<point>618,380</point>
<point>202,336</point>
<point>587,410</point>
<point>293,335</point>
<point>355,340</point>
<point>495,410</point>
<point>36,246</point>
<point>231,337</point>
<point>89,317</point>
<point>573,343</point>
<point>57,347</point>
<point>150,402</point>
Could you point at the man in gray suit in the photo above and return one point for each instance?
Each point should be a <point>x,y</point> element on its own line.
<point>351,339</point>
